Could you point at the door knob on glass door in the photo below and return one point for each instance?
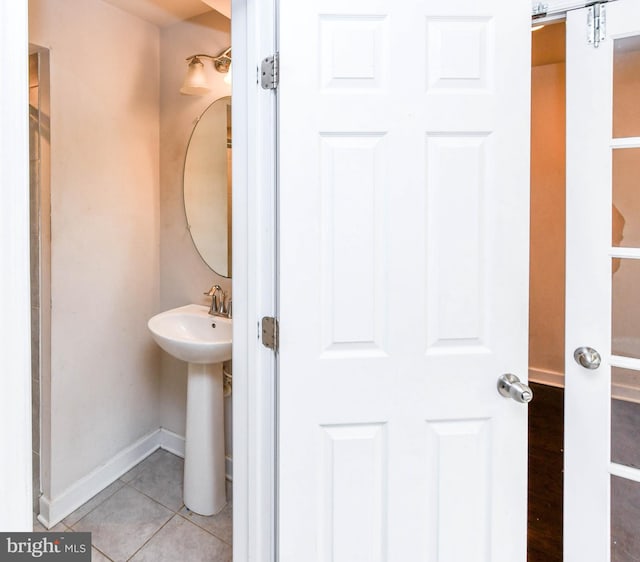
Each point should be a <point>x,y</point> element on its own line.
<point>588,357</point>
<point>510,386</point>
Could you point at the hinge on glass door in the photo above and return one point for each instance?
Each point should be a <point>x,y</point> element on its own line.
<point>596,24</point>
<point>539,9</point>
<point>270,332</point>
<point>269,72</point>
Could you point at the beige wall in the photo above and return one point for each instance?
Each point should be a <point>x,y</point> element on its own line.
<point>104,387</point>
<point>546,318</point>
<point>184,277</point>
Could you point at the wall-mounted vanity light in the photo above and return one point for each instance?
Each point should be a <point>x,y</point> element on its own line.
<point>195,82</point>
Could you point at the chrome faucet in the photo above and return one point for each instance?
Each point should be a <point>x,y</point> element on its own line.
<point>219,306</point>
<point>215,301</point>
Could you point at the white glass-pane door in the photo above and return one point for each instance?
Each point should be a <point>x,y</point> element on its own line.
<point>602,399</point>
<point>625,301</point>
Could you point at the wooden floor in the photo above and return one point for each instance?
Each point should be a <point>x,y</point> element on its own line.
<point>546,434</point>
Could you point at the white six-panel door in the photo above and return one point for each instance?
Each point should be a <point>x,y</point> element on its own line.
<point>403,248</point>
<point>602,456</point>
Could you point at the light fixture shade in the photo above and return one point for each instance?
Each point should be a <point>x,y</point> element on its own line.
<point>195,83</point>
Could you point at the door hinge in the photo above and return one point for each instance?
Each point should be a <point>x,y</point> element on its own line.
<point>269,72</point>
<point>270,332</point>
<point>539,9</point>
<point>596,24</point>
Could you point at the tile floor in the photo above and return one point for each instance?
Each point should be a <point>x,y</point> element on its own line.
<point>141,518</point>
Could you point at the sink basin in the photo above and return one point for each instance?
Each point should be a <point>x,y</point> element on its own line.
<point>191,334</point>
<point>204,342</point>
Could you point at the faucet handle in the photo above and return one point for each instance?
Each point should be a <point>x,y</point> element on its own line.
<point>213,290</point>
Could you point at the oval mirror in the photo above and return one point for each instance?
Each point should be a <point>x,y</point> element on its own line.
<point>207,186</point>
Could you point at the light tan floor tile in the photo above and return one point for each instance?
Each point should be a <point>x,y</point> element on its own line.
<point>221,524</point>
<point>161,479</point>
<point>121,524</point>
<point>154,457</point>
<point>94,502</point>
<point>124,522</point>
<point>180,540</point>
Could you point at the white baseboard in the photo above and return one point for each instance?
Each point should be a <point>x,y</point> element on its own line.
<point>542,376</point>
<point>619,391</point>
<point>172,442</point>
<point>625,393</point>
<point>54,510</point>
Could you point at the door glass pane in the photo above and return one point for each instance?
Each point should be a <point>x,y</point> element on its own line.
<point>626,197</point>
<point>625,383</point>
<point>625,514</point>
<point>625,308</point>
<point>625,416</point>
<point>626,87</point>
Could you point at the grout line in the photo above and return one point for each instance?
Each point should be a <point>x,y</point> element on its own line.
<point>124,482</point>
<point>131,483</point>
<point>95,507</point>
<point>187,518</point>
<point>151,537</point>
<point>100,551</point>
<point>156,500</point>
<point>173,512</point>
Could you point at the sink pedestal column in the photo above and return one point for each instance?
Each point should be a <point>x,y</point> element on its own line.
<point>204,462</point>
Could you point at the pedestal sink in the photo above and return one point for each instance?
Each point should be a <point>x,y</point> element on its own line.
<point>189,333</point>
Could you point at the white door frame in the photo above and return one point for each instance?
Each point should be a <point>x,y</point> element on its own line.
<point>254,283</point>
<point>15,305</point>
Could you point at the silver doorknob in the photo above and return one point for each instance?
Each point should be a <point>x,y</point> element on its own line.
<point>588,357</point>
<point>510,386</point>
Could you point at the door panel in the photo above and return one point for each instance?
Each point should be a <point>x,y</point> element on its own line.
<point>625,305</point>
<point>403,225</point>
<point>626,70</point>
<point>625,513</point>
<point>625,227</point>
<point>602,406</point>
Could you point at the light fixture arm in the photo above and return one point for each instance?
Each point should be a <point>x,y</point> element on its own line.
<point>221,62</point>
